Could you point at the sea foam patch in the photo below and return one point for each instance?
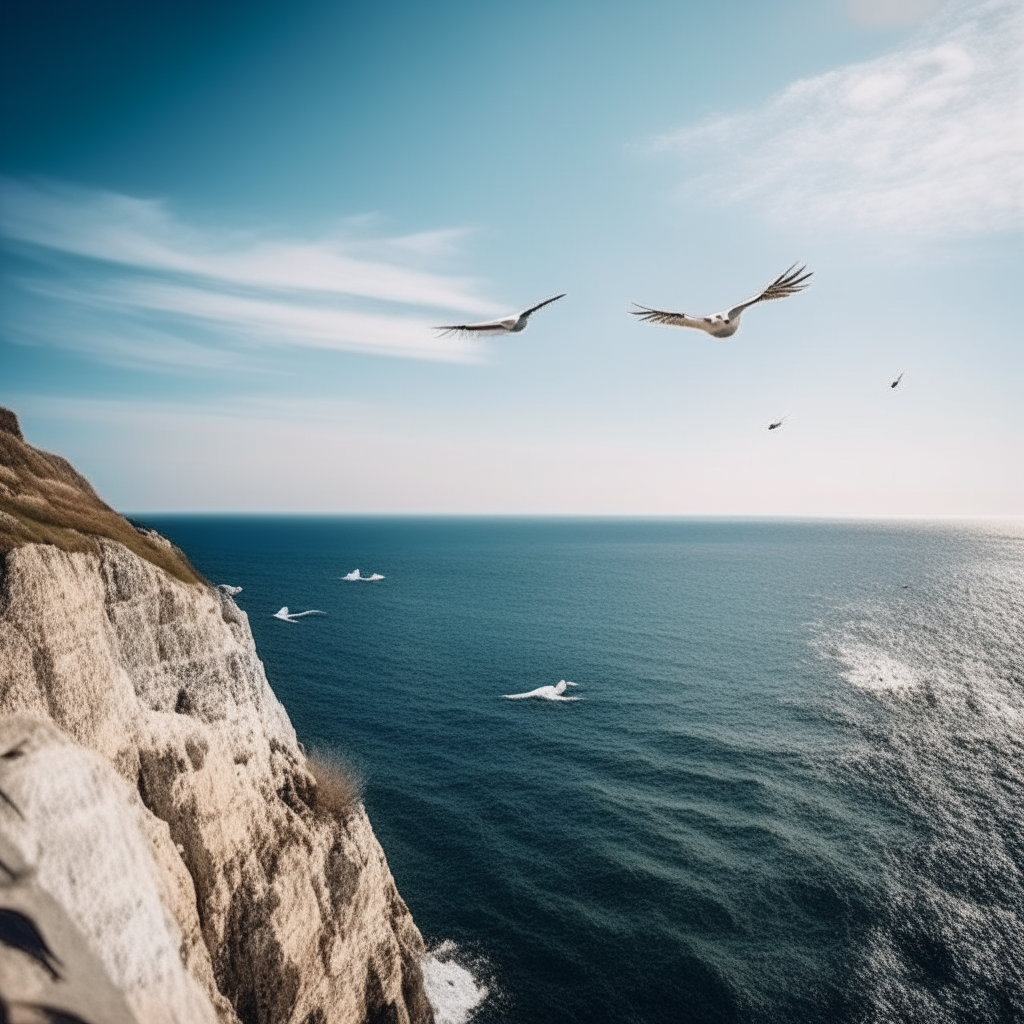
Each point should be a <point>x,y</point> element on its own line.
<point>286,616</point>
<point>455,993</point>
<point>545,692</point>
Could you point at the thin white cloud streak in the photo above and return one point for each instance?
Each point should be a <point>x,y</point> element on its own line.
<point>124,343</point>
<point>143,234</point>
<point>207,289</point>
<point>928,140</point>
<point>268,322</point>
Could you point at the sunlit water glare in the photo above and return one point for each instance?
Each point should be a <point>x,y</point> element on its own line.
<point>792,789</point>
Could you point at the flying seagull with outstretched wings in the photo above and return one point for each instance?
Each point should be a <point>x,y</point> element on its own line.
<point>727,323</point>
<point>507,325</point>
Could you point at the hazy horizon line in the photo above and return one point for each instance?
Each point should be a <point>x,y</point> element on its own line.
<point>627,516</point>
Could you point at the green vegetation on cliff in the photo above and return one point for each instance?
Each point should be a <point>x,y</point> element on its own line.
<point>44,500</point>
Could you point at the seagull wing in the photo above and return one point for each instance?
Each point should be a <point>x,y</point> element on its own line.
<point>789,283</point>
<point>541,305</point>
<point>660,316</point>
<point>503,326</point>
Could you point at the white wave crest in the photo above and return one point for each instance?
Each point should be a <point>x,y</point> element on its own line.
<point>286,616</point>
<point>354,575</point>
<point>226,588</point>
<point>452,989</point>
<point>545,692</point>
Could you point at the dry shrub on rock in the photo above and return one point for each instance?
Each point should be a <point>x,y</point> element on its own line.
<point>339,789</point>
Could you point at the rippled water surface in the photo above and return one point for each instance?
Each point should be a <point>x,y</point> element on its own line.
<point>793,788</point>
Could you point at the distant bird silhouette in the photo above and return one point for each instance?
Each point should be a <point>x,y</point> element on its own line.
<point>896,382</point>
<point>19,932</point>
<point>776,424</point>
<point>507,325</point>
<point>727,323</point>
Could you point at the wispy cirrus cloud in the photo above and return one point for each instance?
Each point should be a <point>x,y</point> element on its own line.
<point>253,321</point>
<point>131,263</point>
<point>928,140</point>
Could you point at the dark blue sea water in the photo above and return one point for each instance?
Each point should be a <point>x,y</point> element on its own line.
<point>791,790</point>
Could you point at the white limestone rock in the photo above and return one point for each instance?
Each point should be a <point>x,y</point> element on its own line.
<point>285,911</point>
<point>76,828</point>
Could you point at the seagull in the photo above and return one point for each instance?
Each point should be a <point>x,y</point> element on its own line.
<point>507,325</point>
<point>896,382</point>
<point>776,424</point>
<point>727,323</point>
<point>354,575</point>
<point>545,692</point>
<point>286,616</point>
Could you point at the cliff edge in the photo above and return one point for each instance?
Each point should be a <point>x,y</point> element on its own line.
<point>167,852</point>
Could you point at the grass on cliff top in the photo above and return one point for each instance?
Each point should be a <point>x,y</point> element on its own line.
<point>339,790</point>
<point>44,500</point>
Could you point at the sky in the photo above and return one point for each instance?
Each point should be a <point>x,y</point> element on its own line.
<point>227,231</point>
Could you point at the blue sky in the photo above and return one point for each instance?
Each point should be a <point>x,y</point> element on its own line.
<point>227,231</point>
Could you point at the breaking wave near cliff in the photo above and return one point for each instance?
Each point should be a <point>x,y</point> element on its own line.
<point>455,983</point>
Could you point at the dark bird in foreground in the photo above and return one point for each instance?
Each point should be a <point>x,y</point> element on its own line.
<point>776,424</point>
<point>507,325</point>
<point>37,1014</point>
<point>727,323</point>
<point>896,382</point>
<point>19,932</point>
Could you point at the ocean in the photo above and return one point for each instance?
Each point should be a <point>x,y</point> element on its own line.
<point>790,787</point>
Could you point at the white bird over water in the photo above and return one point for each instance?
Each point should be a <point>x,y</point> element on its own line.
<point>354,575</point>
<point>545,692</point>
<point>507,325</point>
<point>286,616</point>
<point>727,323</point>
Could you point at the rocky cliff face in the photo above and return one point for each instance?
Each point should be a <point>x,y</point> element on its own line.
<point>152,789</point>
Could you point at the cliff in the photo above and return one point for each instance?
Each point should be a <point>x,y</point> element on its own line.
<point>160,825</point>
